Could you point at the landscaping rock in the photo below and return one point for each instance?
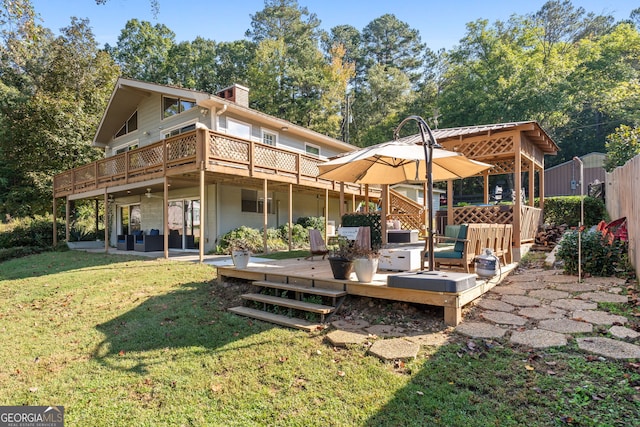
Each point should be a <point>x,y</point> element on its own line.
<point>538,338</point>
<point>609,348</point>
<point>576,287</point>
<point>622,332</point>
<point>566,326</point>
<point>385,331</point>
<point>480,330</point>
<point>528,286</point>
<point>341,338</point>
<point>548,294</point>
<point>495,305</point>
<point>598,317</point>
<point>350,325</point>
<point>395,348</point>
<point>502,318</point>
<point>544,312</point>
<point>521,301</point>
<point>573,304</point>
<point>508,290</point>
<point>436,339</point>
<point>603,297</point>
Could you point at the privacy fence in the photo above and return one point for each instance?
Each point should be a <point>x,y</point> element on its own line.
<point>623,200</point>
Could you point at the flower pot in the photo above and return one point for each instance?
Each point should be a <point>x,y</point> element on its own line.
<point>240,258</point>
<point>365,268</point>
<point>341,267</point>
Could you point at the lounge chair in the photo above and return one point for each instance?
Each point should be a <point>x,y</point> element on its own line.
<point>318,247</point>
<point>153,241</point>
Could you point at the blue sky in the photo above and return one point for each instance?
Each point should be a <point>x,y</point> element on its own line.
<point>441,23</point>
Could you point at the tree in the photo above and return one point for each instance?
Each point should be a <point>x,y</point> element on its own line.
<point>142,51</point>
<point>54,92</point>
<point>622,146</point>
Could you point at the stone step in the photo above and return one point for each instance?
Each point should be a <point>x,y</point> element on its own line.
<point>331,293</point>
<point>290,303</point>
<point>276,319</point>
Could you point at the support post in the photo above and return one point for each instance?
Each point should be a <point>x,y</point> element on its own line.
<point>67,218</point>
<point>55,223</point>
<point>366,198</point>
<point>203,215</point>
<point>265,216</point>
<point>341,200</point>
<point>290,233</point>
<point>485,186</point>
<point>326,212</point>
<point>165,214</point>
<point>532,182</point>
<point>384,213</point>
<point>106,222</point>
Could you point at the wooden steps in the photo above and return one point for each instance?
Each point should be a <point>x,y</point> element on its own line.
<point>278,319</point>
<point>276,298</point>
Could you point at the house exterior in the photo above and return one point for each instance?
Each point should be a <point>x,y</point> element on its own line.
<point>564,179</point>
<point>216,162</point>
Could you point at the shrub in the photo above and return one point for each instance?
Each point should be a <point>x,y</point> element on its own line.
<point>30,232</point>
<point>18,252</point>
<point>251,236</point>
<point>299,235</point>
<point>566,210</point>
<point>316,222</point>
<point>599,257</point>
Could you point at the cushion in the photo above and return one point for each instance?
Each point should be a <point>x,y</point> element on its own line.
<point>448,254</point>
<point>462,234</point>
<point>138,233</point>
<point>154,232</point>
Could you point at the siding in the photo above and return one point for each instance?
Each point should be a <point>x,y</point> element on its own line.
<point>557,180</point>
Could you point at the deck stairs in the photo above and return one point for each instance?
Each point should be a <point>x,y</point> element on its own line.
<point>294,306</point>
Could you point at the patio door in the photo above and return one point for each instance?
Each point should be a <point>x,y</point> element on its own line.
<point>130,219</point>
<point>184,224</point>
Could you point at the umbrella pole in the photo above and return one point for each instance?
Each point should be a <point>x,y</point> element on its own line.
<point>428,156</point>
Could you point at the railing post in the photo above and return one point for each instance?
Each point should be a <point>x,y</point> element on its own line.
<point>299,168</point>
<point>126,167</point>
<point>251,157</point>
<point>201,142</point>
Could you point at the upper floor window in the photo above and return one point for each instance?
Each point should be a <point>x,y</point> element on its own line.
<point>129,126</point>
<point>177,131</point>
<point>312,150</point>
<point>172,106</point>
<point>131,146</point>
<point>269,138</point>
<point>239,129</point>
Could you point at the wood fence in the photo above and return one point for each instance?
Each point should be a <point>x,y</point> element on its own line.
<point>622,198</point>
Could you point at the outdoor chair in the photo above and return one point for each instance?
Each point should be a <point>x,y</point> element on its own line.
<point>125,242</point>
<point>153,241</point>
<point>462,253</point>
<point>318,247</point>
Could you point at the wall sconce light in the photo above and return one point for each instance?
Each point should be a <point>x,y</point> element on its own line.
<point>284,128</point>
<point>204,111</point>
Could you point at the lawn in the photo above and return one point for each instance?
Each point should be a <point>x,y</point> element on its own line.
<point>128,341</point>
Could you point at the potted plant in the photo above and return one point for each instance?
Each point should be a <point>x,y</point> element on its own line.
<point>365,263</point>
<point>240,252</point>
<point>341,258</point>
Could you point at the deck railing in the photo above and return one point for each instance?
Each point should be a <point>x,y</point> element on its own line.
<point>186,151</point>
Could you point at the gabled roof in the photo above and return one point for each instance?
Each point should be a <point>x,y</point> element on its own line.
<point>124,101</point>
<point>531,128</point>
<point>128,94</point>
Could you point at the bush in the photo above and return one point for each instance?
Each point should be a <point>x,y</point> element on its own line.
<point>299,235</point>
<point>18,252</point>
<point>316,222</point>
<point>566,210</point>
<point>251,236</point>
<point>599,257</point>
<point>30,232</point>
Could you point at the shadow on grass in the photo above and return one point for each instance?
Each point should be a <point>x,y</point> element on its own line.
<point>191,317</point>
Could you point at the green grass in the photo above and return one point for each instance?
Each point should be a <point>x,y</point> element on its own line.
<point>123,341</point>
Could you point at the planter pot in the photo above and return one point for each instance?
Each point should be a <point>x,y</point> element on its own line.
<point>341,267</point>
<point>240,258</point>
<point>365,268</point>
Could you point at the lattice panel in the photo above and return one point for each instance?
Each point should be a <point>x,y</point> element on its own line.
<point>501,214</point>
<point>84,174</point>
<point>502,166</point>
<point>399,205</point>
<point>309,167</point>
<point>363,220</point>
<point>182,147</point>
<point>228,149</point>
<point>485,148</point>
<point>409,222</point>
<point>530,221</point>
<point>111,166</point>
<point>145,157</point>
<point>62,181</point>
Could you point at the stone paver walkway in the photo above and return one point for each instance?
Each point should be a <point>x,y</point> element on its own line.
<point>543,308</point>
<point>537,309</point>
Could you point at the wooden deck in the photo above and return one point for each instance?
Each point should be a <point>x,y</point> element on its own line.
<point>318,274</point>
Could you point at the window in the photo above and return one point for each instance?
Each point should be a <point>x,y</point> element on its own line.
<point>179,130</point>
<point>239,129</point>
<point>128,147</point>
<point>173,106</point>
<point>129,126</point>
<point>130,219</point>
<point>269,138</point>
<point>253,201</point>
<point>312,150</point>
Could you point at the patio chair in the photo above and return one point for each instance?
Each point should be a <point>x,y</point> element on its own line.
<point>153,241</point>
<point>462,253</point>
<point>318,247</point>
<point>125,242</point>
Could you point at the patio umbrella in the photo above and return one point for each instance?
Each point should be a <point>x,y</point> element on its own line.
<point>403,160</point>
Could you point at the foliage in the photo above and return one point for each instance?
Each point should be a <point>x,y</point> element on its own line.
<point>18,252</point>
<point>599,256</point>
<point>371,219</point>
<point>30,232</point>
<point>242,238</point>
<point>344,249</point>
<point>316,222</point>
<point>622,145</point>
<point>566,210</point>
<point>299,235</point>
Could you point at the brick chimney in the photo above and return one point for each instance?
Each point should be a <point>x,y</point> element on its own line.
<point>236,93</point>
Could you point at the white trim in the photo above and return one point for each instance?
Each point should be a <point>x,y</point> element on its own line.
<point>308,144</point>
<point>179,98</point>
<point>116,148</point>
<point>264,131</point>
<point>164,132</point>
<point>239,122</point>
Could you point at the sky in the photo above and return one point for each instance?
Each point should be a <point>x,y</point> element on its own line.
<point>441,24</point>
